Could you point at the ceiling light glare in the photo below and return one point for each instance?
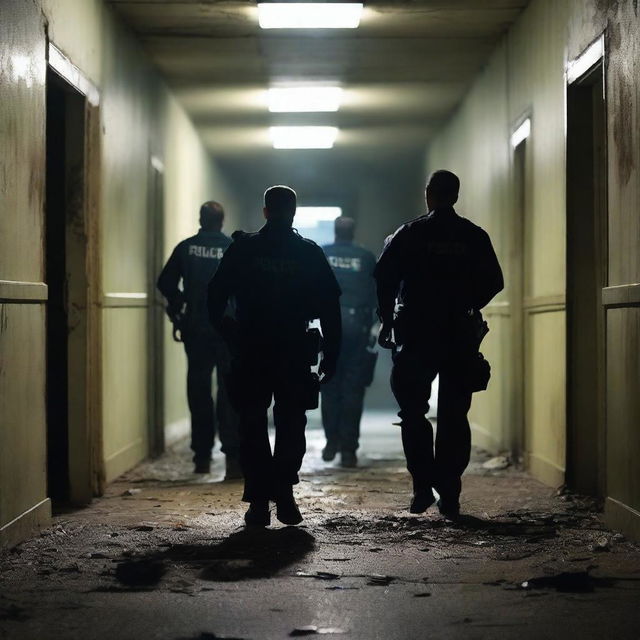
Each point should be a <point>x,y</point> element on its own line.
<point>584,62</point>
<point>303,137</point>
<point>311,216</point>
<point>309,15</point>
<point>521,133</point>
<point>308,99</point>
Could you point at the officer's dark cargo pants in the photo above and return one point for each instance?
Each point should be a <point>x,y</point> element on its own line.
<point>415,366</point>
<point>259,379</point>
<point>206,351</point>
<point>343,395</point>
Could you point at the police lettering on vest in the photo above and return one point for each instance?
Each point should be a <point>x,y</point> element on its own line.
<point>206,252</point>
<point>341,262</point>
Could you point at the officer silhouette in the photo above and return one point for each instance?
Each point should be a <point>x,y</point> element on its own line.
<point>280,282</point>
<point>441,269</point>
<point>343,396</point>
<point>193,263</point>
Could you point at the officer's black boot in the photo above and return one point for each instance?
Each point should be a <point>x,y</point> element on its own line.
<point>449,508</point>
<point>258,514</point>
<point>330,451</point>
<point>421,501</point>
<point>348,459</point>
<point>202,465</point>
<point>233,470</point>
<point>286,508</point>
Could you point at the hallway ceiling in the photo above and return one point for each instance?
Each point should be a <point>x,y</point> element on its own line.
<point>403,70</point>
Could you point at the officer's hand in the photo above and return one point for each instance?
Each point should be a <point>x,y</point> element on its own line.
<point>326,371</point>
<point>384,336</point>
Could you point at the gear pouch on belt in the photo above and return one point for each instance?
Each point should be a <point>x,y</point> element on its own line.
<point>310,390</point>
<point>477,372</point>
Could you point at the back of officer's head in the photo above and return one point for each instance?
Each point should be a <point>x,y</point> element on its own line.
<point>344,229</point>
<point>280,204</point>
<point>211,216</point>
<point>442,189</point>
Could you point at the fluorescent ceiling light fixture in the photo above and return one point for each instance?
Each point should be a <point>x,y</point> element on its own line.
<point>521,133</point>
<point>578,67</point>
<point>303,137</point>
<point>311,216</point>
<point>309,15</point>
<point>311,99</point>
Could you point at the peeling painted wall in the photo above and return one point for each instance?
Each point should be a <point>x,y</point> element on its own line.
<point>525,76</point>
<point>139,119</point>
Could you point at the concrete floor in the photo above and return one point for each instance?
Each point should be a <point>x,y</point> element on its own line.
<point>164,555</point>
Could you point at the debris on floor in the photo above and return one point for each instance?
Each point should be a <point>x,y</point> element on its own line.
<point>498,463</point>
<point>173,561</point>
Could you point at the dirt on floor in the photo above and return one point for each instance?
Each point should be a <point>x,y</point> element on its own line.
<point>164,554</point>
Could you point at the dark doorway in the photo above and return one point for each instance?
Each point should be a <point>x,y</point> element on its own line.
<point>68,458</point>
<point>156,310</point>
<point>55,276</point>
<point>586,271</point>
<point>517,285</point>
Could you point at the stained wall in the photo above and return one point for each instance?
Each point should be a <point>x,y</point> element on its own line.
<point>139,120</point>
<point>526,78</point>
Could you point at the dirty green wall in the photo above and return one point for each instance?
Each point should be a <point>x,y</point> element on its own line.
<point>526,77</point>
<point>139,119</point>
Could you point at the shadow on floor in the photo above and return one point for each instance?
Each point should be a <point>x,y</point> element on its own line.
<point>245,555</point>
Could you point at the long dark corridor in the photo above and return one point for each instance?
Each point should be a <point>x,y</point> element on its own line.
<point>163,105</point>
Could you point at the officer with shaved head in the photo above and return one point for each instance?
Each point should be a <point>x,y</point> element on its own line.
<point>183,282</point>
<point>280,283</point>
<point>433,277</point>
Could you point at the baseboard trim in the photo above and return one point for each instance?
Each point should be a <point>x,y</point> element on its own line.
<point>127,458</point>
<point>177,431</point>
<point>544,470</point>
<point>484,439</point>
<point>622,517</point>
<point>26,524</point>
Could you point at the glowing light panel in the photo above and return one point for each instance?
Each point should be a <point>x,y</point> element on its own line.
<point>309,99</point>
<point>310,216</point>
<point>309,15</point>
<point>303,137</point>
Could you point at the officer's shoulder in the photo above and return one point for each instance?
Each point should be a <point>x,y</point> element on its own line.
<point>188,240</point>
<point>307,243</point>
<point>414,223</point>
<point>184,244</point>
<point>472,227</point>
<point>240,237</point>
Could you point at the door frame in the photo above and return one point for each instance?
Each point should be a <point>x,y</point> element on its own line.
<point>587,71</point>
<point>83,234</point>
<point>155,350</point>
<point>520,155</point>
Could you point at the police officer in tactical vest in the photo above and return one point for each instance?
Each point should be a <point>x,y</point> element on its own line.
<point>440,269</point>
<point>280,282</point>
<point>193,262</point>
<point>343,397</point>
